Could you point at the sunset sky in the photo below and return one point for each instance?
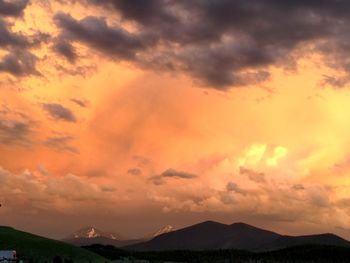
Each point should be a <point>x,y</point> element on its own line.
<point>129,115</point>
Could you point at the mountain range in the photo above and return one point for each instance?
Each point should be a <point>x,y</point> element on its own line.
<point>91,235</point>
<point>212,235</point>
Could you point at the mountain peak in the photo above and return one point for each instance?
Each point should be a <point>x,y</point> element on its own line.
<point>93,232</point>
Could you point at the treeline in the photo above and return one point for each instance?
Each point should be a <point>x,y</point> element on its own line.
<point>306,253</point>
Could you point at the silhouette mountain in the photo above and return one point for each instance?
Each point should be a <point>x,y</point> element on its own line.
<point>212,235</point>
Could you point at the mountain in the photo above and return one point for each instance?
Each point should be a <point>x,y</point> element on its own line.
<point>91,235</point>
<point>92,232</point>
<point>211,235</point>
<point>40,249</point>
<point>164,230</point>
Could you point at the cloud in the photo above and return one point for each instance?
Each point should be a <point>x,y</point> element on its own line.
<point>59,112</point>
<point>42,170</point>
<point>18,59</point>
<point>110,189</point>
<point>29,191</point>
<point>12,8</point>
<point>15,132</point>
<point>10,39</point>
<point>298,187</point>
<point>157,180</point>
<point>220,43</point>
<point>257,177</point>
<point>65,49</point>
<point>20,63</point>
<point>16,128</point>
<point>79,102</point>
<point>233,187</point>
<point>61,143</point>
<point>177,174</point>
<point>171,173</point>
<point>135,171</point>
<point>94,31</point>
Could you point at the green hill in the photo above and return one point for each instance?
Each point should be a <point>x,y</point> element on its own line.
<point>41,249</point>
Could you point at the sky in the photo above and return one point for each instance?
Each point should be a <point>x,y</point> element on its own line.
<point>129,115</point>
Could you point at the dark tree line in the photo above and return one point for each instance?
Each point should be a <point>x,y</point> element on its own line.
<point>306,253</point>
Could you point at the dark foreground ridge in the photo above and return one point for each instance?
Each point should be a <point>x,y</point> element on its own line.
<point>33,248</point>
<point>211,235</point>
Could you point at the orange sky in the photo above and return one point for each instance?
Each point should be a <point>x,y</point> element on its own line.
<point>117,144</point>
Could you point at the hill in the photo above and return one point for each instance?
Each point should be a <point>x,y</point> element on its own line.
<point>83,241</point>
<point>40,249</point>
<point>211,235</point>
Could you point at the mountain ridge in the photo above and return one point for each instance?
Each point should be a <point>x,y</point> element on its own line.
<point>211,235</point>
<point>91,235</point>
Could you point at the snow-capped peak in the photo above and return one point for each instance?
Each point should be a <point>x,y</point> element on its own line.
<point>92,232</point>
<point>164,230</point>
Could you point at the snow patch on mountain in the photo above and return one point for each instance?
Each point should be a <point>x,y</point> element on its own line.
<point>92,232</point>
<point>164,230</point>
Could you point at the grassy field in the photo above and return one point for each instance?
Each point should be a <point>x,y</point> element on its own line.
<point>41,249</point>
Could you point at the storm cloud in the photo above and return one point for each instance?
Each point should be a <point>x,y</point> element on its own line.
<point>220,43</point>
<point>12,8</point>
<point>95,32</point>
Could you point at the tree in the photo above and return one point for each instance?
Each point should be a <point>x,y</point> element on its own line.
<point>57,259</point>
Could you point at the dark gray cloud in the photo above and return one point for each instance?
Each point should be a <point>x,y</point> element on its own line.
<point>95,32</point>
<point>61,143</point>
<point>221,43</point>
<point>8,38</point>
<point>171,173</point>
<point>11,40</point>
<point>12,8</point>
<point>19,63</point>
<point>59,112</point>
<point>65,49</point>
<point>18,60</point>
<point>254,176</point>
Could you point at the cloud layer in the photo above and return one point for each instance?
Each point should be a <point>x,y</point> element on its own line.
<point>220,43</point>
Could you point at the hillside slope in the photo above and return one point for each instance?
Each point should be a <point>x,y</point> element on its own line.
<point>42,249</point>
